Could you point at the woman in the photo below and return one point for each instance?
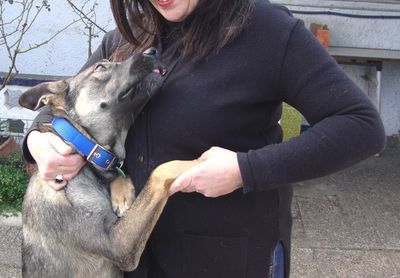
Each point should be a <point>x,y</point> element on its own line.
<point>230,65</point>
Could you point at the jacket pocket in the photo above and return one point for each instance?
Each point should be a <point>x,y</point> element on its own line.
<point>214,257</point>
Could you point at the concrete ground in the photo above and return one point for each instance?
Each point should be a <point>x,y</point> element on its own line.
<point>10,247</point>
<point>345,225</point>
<point>348,224</point>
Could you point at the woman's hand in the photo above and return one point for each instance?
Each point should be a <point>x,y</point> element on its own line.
<point>54,157</point>
<point>218,174</point>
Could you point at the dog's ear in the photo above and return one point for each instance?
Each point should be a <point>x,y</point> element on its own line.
<point>43,94</point>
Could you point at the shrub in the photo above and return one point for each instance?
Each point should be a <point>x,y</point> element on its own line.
<point>13,183</point>
<point>291,122</point>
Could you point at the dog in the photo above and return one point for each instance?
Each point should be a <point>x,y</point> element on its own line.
<point>74,232</point>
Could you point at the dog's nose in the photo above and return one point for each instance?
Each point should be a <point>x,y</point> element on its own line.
<point>150,52</point>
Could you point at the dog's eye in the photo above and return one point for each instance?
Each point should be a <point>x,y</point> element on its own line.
<point>99,67</point>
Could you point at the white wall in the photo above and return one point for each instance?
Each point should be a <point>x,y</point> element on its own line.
<point>353,32</point>
<point>363,33</point>
<point>13,111</point>
<point>65,54</point>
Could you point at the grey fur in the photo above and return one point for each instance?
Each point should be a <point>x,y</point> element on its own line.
<point>74,232</point>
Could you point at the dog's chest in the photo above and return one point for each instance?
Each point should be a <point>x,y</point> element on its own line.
<point>83,192</point>
<point>87,194</point>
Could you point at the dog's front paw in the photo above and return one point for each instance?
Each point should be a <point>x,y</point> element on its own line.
<point>122,195</point>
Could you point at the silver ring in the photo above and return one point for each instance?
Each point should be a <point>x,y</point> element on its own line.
<point>59,179</point>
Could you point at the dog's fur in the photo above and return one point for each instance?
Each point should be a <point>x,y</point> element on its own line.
<point>74,232</point>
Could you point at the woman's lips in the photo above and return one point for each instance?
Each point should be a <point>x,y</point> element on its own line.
<point>165,3</point>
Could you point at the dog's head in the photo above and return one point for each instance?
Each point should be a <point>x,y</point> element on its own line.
<point>104,92</point>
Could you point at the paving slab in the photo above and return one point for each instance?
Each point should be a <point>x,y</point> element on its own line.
<point>326,225</point>
<point>303,263</point>
<point>395,258</point>
<point>354,263</point>
<point>10,246</point>
<point>11,220</point>
<point>348,224</point>
<point>317,263</point>
<point>10,272</point>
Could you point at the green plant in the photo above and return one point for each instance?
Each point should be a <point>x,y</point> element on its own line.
<point>13,183</point>
<point>290,121</point>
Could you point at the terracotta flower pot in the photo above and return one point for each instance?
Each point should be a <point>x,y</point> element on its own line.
<point>323,36</point>
<point>30,168</point>
<point>8,147</point>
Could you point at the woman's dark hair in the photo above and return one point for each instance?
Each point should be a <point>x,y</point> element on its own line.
<point>212,25</point>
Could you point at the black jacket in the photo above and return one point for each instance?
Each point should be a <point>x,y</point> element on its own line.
<point>233,100</point>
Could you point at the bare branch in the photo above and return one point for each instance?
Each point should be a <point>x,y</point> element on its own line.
<point>78,13</point>
<point>24,23</point>
<point>34,17</point>
<point>12,20</point>
<point>4,37</point>
<point>13,30</point>
<point>10,34</point>
<point>19,19</point>
<point>23,11</point>
<point>37,45</point>
<point>85,16</point>
<point>26,11</point>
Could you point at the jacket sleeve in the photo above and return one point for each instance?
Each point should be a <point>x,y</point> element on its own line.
<point>108,45</point>
<point>346,127</point>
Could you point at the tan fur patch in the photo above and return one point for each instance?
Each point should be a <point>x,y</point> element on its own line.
<point>165,174</point>
<point>122,194</point>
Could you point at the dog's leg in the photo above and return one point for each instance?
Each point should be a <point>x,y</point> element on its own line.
<point>122,194</point>
<point>132,231</point>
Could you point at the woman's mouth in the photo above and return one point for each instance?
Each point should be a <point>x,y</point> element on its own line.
<point>165,3</point>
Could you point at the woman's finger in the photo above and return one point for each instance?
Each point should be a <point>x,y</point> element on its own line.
<point>67,166</point>
<point>182,183</point>
<point>59,145</point>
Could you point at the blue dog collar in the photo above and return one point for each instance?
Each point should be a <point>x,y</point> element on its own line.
<point>93,152</point>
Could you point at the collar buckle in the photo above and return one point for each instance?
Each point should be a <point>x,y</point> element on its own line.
<point>101,157</point>
<point>94,153</point>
